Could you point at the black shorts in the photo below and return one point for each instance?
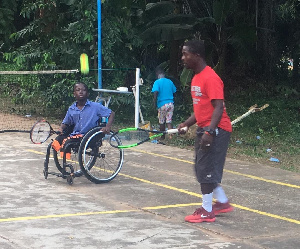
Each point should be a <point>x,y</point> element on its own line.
<point>209,163</point>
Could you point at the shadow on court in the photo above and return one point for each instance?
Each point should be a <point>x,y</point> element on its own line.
<point>144,206</point>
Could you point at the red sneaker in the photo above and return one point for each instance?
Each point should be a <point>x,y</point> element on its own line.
<point>219,207</point>
<point>201,215</point>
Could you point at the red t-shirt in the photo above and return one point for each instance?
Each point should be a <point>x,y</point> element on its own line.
<point>205,87</point>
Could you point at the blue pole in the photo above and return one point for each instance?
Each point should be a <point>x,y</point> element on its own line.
<point>99,46</point>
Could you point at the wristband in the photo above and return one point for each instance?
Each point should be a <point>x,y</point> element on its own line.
<point>210,132</point>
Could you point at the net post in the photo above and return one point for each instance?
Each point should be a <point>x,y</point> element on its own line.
<point>137,95</point>
<point>99,45</point>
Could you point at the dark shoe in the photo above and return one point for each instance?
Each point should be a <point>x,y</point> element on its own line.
<point>78,173</point>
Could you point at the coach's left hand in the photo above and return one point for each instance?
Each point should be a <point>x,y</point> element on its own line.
<point>206,141</point>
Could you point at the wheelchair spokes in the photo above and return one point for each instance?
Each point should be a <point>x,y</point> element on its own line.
<point>99,163</point>
<point>93,156</point>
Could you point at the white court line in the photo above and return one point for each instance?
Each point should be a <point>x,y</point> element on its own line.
<point>24,159</point>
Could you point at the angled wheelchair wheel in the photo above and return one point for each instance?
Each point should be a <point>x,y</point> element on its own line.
<point>99,161</point>
<point>73,160</point>
<point>57,160</point>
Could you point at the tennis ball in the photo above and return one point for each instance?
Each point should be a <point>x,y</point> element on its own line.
<point>84,64</point>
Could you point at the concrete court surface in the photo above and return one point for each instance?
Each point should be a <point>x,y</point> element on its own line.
<point>144,206</point>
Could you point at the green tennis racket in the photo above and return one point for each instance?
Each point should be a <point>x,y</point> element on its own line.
<point>131,137</point>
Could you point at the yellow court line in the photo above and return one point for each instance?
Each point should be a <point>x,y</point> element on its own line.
<point>200,196</point>
<point>64,215</point>
<point>36,152</point>
<point>52,216</point>
<point>162,185</point>
<point>267,214</point>
<point>42,153</point>
<point>190,162</point>
<point>172,206</point>
<point>228,171</point>
<point>263,179</point>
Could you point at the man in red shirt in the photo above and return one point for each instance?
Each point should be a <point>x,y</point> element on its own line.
<point>213,133</point>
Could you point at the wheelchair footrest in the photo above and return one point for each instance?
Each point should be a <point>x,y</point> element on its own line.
<point>57,174</point>
<point>75,174</point>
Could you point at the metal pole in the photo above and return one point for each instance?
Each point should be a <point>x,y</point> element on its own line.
<point>256,22</point>
<point>137,97</point>
<point>99,46</point>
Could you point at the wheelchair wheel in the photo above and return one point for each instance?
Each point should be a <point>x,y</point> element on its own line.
<point>57,160</point>
<point>73,161</point>
<point>99,161</point>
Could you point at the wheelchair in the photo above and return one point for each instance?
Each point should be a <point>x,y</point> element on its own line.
<point>92,157</point>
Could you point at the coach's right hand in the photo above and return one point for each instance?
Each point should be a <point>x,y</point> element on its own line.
<point>180,128</point>
<point>187,123</point>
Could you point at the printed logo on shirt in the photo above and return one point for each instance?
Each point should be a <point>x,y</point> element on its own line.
<point>196,101</point>
<point>197,91</point>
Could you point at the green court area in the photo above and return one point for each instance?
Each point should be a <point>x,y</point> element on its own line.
<point>144,206</point>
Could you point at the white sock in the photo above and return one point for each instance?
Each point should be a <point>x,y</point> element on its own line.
<point>207,202</point>
<point>220,195</point>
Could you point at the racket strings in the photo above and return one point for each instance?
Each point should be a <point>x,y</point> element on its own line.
<point>40,132</point>
<point>129,137</point>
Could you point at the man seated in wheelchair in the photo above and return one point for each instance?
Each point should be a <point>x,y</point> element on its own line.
<point>81,116</point>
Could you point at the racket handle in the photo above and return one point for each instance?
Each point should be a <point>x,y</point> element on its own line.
<point>172,131</point>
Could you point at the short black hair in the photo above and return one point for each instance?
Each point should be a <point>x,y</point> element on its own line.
<point>159,70</point>
<point>85,86</point>
<point>196,47</point>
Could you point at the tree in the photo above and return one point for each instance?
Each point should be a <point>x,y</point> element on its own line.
<point>7,12</point>
<point>288,36</point>
<point>163,25</point>
<point>243,40</point>
<point>229,37</point>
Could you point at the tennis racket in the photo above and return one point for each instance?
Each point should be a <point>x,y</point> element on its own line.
<point>251,110</point>
<point>131,137</point>
<point>41,131</point>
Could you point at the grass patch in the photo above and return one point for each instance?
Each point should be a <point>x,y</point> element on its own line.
<point>271,133</point>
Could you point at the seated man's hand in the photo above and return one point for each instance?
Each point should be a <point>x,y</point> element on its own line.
<point>106,129</point>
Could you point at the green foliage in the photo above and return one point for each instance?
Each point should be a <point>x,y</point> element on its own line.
<point>186,77</point>
<point>48,35</point>
<point>161,22</point>
<point>221,10</point>
<point>46,93</point>
<point>277,126</point>
<point>7,12</point>
<point>58,32</point>
<point>288,40</point>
